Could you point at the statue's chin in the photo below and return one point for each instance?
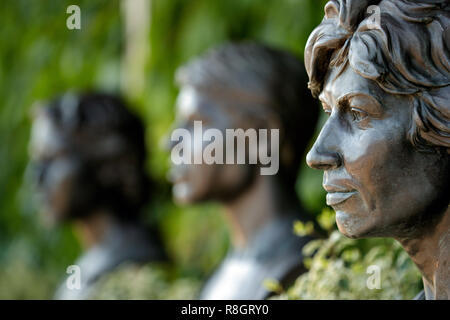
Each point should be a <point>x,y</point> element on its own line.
<point>350,226</point>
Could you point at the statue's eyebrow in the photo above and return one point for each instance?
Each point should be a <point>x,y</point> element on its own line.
<point>375,107</point>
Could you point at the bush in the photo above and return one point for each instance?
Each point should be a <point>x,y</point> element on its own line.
<point>339,267</point>
<point>149,282</point>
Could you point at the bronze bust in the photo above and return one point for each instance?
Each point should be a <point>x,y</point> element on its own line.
<point>248,86</point>
<point>88,153</point>
<point>382,72</point>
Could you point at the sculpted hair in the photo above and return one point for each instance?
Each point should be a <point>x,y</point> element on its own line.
<point>406,53</point>
<point>109,140</point>
<point>260,80</point>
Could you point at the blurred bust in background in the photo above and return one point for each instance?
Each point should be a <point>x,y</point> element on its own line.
<point>88,157</point>
<point>382,72</point>
<point>248,86</point>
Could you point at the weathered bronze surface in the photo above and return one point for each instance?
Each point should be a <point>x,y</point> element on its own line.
<point>382,74</point>
<point>88,155</point>
<point>248,86</point>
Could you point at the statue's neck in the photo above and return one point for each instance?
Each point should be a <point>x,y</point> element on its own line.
<point>431,253</point>
<point>259,205</point>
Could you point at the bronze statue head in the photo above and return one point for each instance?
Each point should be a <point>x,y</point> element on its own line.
<point>385,86</point>
<point>382,72</point>
<point>243,85</point>
<point>88,153</point>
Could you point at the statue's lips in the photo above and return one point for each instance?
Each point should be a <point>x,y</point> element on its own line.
<point>338,191</point>
<point>334,198</point>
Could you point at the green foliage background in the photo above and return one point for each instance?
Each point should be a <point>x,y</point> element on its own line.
<point>41,58</point>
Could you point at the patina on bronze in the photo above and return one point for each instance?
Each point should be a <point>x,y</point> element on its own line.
<point>88,158</point>
<point>249,85</point>
<point>384,82</point>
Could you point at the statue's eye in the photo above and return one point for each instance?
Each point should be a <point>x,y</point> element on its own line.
<point>358,114</point>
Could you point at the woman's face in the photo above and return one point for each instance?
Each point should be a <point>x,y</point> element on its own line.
<point>201,182</point>
<point>377,182</point>
<point>55,171</point>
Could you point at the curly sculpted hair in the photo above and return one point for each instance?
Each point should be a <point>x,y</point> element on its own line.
<point>402,45</point>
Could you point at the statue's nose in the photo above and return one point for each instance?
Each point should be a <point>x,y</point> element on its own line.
<point>323,160</point>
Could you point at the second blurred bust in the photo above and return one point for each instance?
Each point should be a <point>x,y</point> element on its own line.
<point>248,86</point>
<point>88,154</point>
